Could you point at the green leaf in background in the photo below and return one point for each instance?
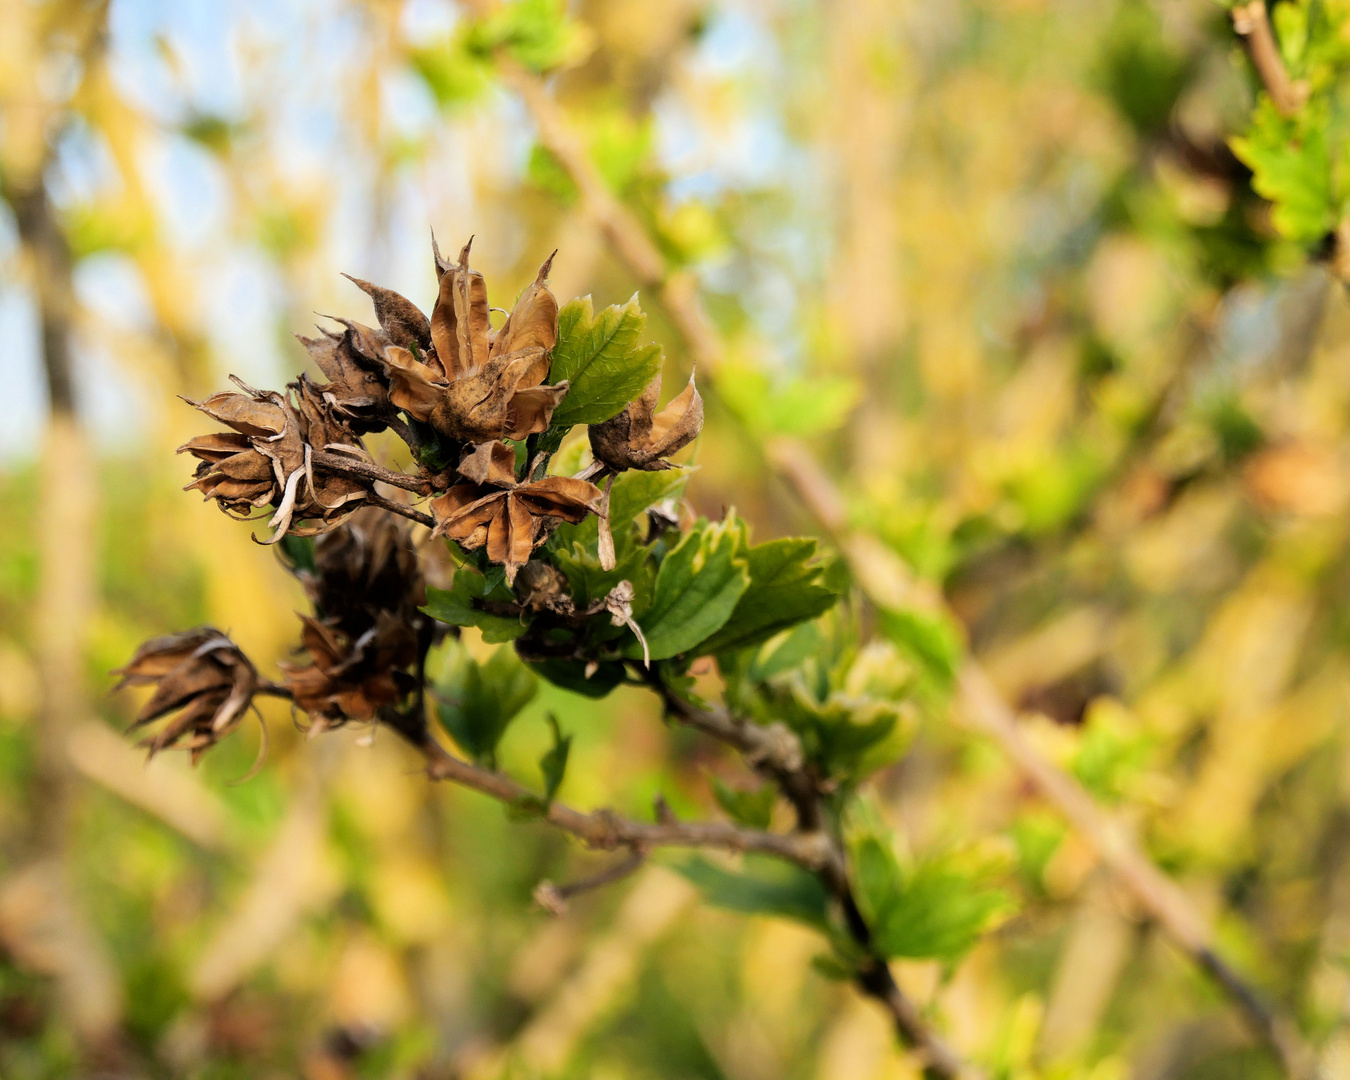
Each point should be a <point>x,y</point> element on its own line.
<point>937,910</point>
<point>763,887</point>
<point>784,654</point>
<point>1291,166</point>
<point>455,73</point>
<point>751,808</point>
<point>537,34</point>
<point>696,590</point>
<point>930,638</point>
<point>475,702</point>
<point>601,358</point>
<point>455,606</point>
<point>785,589</point>
<point>554,762</point>
<point>571,675</point>
<point>799,407</point>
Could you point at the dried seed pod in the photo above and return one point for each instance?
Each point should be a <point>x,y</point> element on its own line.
<point>475,385</point>
<point>502,515</point>
<point>640,438</point>
<point>203,676</point>
<point>269,457</point>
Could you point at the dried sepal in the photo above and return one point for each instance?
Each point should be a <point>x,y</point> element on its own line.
<point>398,316</point>
<point>641,438</point>
<point>200,674</point>
<point>507,520</point>
<point>490,463</point>
<point>357,388</point>
<point>366,587</point>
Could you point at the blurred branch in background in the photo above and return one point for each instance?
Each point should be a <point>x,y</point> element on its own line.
<point>988,714</point>
<point>43,916</point>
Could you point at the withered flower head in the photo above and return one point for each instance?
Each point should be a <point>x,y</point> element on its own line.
<point>367,566</point>
<point>351,361</point>
<point>200,672</point>
<point>366,587</point>
<point>640,438</point>
<point>505,516</point>
<point>475,384</point>
<point>268,457</point>
<point>352,678</point>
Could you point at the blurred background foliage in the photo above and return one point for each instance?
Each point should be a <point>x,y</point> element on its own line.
<point>995,260</point>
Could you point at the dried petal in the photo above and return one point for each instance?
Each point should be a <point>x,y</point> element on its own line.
<point>533,322</point>
<point>490,463</point>
<point>398,316</point>
<point>530,411</point>
<point>413,386</point>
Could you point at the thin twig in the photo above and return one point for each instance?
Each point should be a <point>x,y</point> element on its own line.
<point>1252,25</point>
<point>607,831</point>
<point>351,466</point>
<point>553,898</point>
<point>402,509</point>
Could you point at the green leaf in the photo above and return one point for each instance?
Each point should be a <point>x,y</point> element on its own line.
<point>571,675</point>
<point>697,589</point>
<point>587,580</point>
<point>298,551</point>
<point>631,493</point>
<point>475,702</point>
<point>785,589</point>
<point>455,606</point>
<point>938,910</point>
<point>537,34</point>
<point>751,808</point>
<point>554,762</point>
<point>763,887</point>
<point>931,639</point>
<point>779,656</point>
<point>1291,166</point>
<point>453,71</point>
<point>601,357</point>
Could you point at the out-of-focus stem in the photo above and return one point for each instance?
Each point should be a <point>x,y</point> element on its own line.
<point>1252,25</point>
<point>67,513</point>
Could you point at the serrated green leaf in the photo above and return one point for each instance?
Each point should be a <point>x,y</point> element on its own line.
<point>554,762</point>
<point>588,581</point>
<point>751,808</point>
<point>785,589</point>
<point>600,356</point>
<point>697,588</point>
<point>455,606</point>
<point>763,887</point>
<point>931,639</point>
<point>937,910</point>
<point>475,702</point>
<point>1291,166</point>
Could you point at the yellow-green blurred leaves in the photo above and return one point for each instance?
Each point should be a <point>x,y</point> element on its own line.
<point>799,406</point>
